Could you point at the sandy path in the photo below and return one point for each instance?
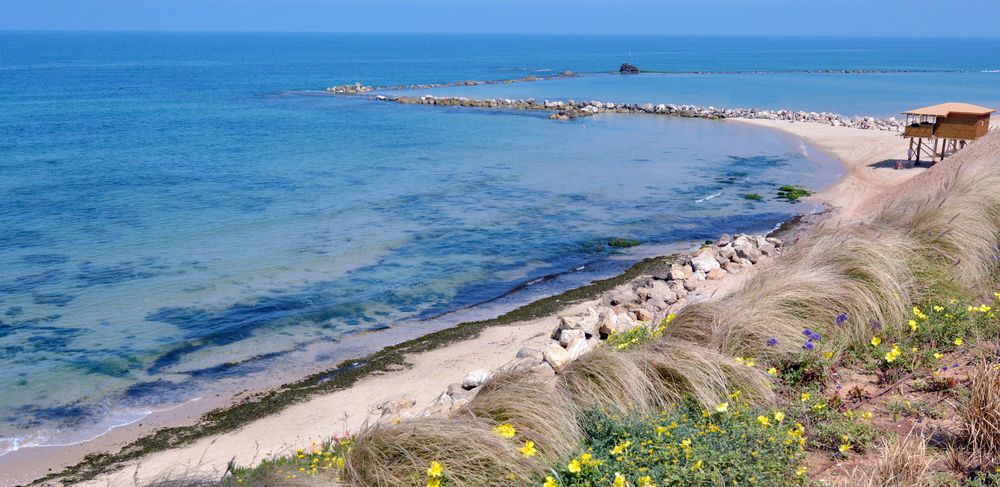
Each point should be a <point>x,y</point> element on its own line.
<point>868,158</point>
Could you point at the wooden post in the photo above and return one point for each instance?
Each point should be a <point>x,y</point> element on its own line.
<point>934,154</point>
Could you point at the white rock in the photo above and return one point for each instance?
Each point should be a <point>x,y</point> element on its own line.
<point>704,262</point>
<point>557,357</point>
<point>577,347</point>
<point>475,379</point>
<point>569,336</point>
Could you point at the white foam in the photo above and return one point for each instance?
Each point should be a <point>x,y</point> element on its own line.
<point>708,197</point>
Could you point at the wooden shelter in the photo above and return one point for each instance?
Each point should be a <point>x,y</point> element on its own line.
<point>952,125</point>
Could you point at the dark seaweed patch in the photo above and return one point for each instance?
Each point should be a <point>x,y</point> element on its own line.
<point>91,275</point>
<point>24,284</point>
<point>46,259</point>
<point>54,299</point>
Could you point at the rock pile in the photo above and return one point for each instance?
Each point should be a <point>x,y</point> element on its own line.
<point>644,301</point>
<point>355,88</point>
<point>574,109</point>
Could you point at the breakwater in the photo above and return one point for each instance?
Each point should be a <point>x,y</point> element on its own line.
<point>566,110</point>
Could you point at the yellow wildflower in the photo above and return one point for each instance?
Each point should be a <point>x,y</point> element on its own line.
<point>619,480</point>
<point>434,482</point>
<point>805,396</point>
<point>574,466</point>
<point>866,415</point>
<point>722,407</point>
<point>697,466</point>
<point>938,309</point>
<point>797,431</point>
<point>843,448</point>
<point>958,341</point>
<point>772,371</point>
<point>646,481</point>
<point>763,421</point>
<point>751,362</point>
<point>827,355</point>
<point>660,430</point>
<point>938,355</point>
<point>620,447</point>
<point>435,470</point>
<point>818,406</point>
<point>801,470</point>
<point>686,443</point>
<point>740,360</point>
<point>876,341</point>
<point>528,449</point>
<point>549,482</point>
<point>505,430</point>
<point>913,325</point>
<point>779,416</point>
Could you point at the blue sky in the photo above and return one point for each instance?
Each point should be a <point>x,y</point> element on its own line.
<point>912,18</point>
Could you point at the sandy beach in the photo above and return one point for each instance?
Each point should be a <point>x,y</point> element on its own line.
<point>868,158</point>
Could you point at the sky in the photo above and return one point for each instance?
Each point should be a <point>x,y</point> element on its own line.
<point>911,18</point>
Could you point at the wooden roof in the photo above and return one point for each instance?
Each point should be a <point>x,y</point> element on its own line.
<point>944,109</point>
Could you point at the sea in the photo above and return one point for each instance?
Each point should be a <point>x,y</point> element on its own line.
<point>191,214</point>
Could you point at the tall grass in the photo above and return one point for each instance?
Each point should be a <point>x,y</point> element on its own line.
<point>913,247</point>
<point>538,412</point>
<point>469,450</point>
<point>981,415</point>
<point>902,462</point>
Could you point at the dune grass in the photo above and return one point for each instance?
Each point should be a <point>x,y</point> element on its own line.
<point>981,414</point>
<point>902,462</point>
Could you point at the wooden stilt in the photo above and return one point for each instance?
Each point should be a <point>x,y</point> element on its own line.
<point>934,154</point>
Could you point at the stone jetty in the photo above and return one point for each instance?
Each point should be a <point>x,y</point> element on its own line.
<point>566,110</point>
<point>645,301</point>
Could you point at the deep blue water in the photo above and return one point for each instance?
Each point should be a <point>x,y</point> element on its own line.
<point>165,210</point>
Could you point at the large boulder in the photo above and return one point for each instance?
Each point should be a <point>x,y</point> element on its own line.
<point>705,262</point>
<point>587,322</point>
<point>628,68</point>
<point>557,357</point>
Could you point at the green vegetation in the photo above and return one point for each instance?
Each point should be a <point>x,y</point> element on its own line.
<point>623,242</point>
<point>753,196</point>
<point>792,193</point>
<point>733,444</point>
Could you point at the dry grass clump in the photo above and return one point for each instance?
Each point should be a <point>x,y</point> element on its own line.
<point>653,376</point>
<point>957,228</point>
<point>940,246</point>
<point>902,462</point>
<point>680,368</point>
<point>981,415</point>
<point>400,454</point>
<point>537,411</point>
<point>610,379</point>
<point>833,271</point>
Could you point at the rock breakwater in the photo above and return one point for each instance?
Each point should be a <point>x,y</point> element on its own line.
<point>566,110</point>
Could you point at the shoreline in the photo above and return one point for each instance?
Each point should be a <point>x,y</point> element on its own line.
<point>440,354</point>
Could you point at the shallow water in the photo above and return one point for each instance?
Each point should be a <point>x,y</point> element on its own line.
<point>165,213</point>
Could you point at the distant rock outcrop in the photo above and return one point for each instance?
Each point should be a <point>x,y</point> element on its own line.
<point>628,68</point>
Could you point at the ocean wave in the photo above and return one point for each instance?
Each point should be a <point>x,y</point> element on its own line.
<point>708,197</point>
<point>537,70</point>
<point>115,418</point>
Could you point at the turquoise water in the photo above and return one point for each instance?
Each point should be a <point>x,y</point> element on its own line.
<point>166,213</point>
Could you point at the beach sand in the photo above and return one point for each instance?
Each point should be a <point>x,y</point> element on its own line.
<point>867,157</point>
